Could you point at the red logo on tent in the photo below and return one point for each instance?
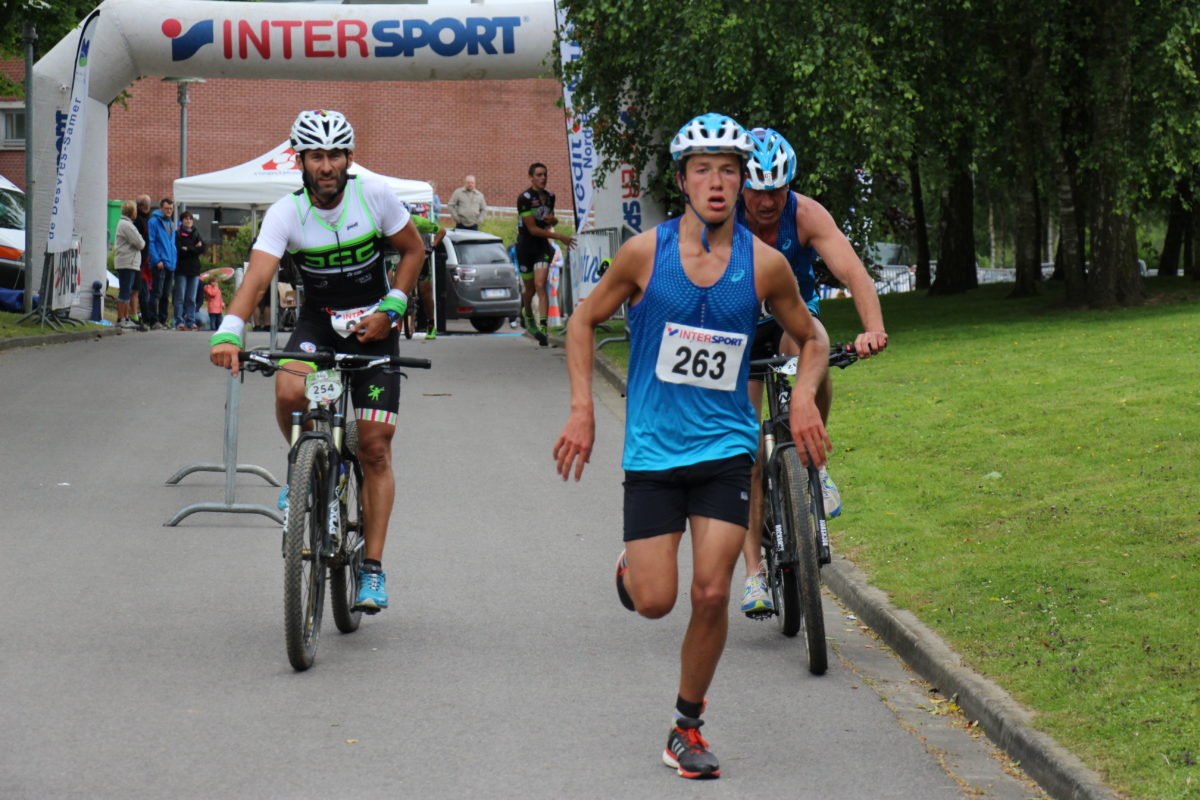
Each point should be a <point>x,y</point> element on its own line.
<point>287,160</point>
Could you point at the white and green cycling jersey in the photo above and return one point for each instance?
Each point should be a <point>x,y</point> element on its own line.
<point>337,251</point>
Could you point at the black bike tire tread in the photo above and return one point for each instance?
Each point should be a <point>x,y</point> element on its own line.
<point>301,653</point>
<point>342,580</point>
<point>789,607</point>
<point>799,503</point>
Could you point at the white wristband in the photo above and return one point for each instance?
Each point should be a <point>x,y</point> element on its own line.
<point>232,324</point>
<point>399,295</point>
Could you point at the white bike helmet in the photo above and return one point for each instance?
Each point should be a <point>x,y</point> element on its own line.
<point>772,165</point>
<point>711,133</point>
<point>321,130</point>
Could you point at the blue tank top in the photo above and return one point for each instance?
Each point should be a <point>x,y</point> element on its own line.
<point>800,256</point>
<point>670,424</point>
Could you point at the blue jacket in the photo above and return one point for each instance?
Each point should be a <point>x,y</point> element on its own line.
<point>162,240</point>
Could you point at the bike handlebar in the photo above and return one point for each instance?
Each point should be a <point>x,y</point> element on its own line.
<point>325,358</point>
<point>840,356</point>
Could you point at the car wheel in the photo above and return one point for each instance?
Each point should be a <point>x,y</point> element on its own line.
<point>487,324</point>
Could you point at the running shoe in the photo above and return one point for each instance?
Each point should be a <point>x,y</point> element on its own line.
<point>512,322</point>
<point>281,503</point>
<point>831,496</point>
<point>687,751</point>
<point>372,592</point>
<point>430,334</point>
<point>540,335</point>
<point>756,600</point>
<point>622,568</point>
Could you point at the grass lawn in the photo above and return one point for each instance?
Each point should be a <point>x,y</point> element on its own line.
<point>1023,478</point>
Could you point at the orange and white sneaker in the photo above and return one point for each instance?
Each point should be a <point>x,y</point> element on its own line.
<point>688,753</point>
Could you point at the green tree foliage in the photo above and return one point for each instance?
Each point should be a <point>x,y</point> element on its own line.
<point>52,20</point>
<point>1080,112</point>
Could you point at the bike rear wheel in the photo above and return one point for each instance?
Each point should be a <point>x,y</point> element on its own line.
<point>799,515</point>
<point>343,577</point>
<point>303,560</point>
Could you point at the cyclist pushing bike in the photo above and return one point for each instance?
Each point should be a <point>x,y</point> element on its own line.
<point>332,228</point>
<point>801,229</point>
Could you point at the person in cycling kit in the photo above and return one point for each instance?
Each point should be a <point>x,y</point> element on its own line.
<point>801,229</point>
<point>694,286</point>
<point>332,227</point>
<point>535,230</point>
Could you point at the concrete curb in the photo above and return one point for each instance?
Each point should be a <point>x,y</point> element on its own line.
<point>1058,771</point>
<point>13,342</point>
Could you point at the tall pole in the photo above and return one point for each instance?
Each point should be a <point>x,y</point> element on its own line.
<point>29,34</point>
<point>183,104</point>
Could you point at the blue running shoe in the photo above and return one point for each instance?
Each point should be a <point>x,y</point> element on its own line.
<point>282,502</point>
<point>831,496</point>
<point>372,592</point>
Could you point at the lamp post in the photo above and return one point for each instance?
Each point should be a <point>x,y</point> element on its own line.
<point>29,35</point>
<point>182,85</point>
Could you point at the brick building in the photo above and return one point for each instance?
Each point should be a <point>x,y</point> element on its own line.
<point>437,131</point>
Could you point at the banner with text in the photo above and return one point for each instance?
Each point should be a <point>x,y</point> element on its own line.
<point>580,149</point>
<point>70,146</point>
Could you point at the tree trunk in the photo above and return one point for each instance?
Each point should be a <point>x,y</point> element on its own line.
<point>956,271</point>
<point>1114,277</point>
<point>923,273</point>
<point>1029,267</point>
<point>1177,222</point>
<point>1070,241</point>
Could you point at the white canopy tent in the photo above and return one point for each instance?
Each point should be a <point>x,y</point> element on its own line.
<point>261,181</point>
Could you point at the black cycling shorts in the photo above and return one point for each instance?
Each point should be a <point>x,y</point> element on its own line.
<point>374,392</point>
<point>660,501</point>
<point>767,337</point>
<point>533,253</point>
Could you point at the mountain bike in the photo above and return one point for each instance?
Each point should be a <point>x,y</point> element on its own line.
<point>795,539</point>
<point>322,526</point>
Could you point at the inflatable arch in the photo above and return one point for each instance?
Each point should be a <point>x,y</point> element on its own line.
<point>196,38</point>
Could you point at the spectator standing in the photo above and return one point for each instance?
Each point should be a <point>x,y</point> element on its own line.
<point>467,205</point>
<point>144,317</point>
<point>436,207</point>
<point>162,261</point>
<point>128,245</point>
<point>189,246</point>
<point>216,304</point>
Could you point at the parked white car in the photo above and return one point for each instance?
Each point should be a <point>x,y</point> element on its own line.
<point>12,235</point>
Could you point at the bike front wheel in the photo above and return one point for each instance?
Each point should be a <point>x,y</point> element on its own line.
<point>303,559</point>
<point>343,577</point>
<point>800,584</point>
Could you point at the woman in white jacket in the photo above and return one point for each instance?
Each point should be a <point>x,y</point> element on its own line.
<point>127,260</point>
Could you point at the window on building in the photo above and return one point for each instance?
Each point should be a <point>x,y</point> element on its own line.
<point>14,128</point>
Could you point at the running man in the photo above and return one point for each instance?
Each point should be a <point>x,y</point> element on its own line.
<point>535,224</point>
<point>801,229</point>
<point>694,286</point>
<point>332,229</point>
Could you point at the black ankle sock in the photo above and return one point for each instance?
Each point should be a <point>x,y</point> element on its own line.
<point>687,709</point>
<point>371,565</point>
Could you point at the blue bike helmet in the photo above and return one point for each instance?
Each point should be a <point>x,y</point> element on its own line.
<point>773,163</point>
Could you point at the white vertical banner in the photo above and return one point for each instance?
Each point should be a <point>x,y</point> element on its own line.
<point>71,146</point>
<point>580,147</point>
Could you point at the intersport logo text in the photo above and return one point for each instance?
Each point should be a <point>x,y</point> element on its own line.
<point>285,39</point>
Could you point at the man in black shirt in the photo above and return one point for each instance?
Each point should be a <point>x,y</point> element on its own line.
<point>535,229</point>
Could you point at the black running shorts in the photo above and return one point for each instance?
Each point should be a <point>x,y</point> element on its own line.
<point>660,501</point>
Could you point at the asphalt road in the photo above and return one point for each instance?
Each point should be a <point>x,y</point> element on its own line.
<point>143,661</point>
